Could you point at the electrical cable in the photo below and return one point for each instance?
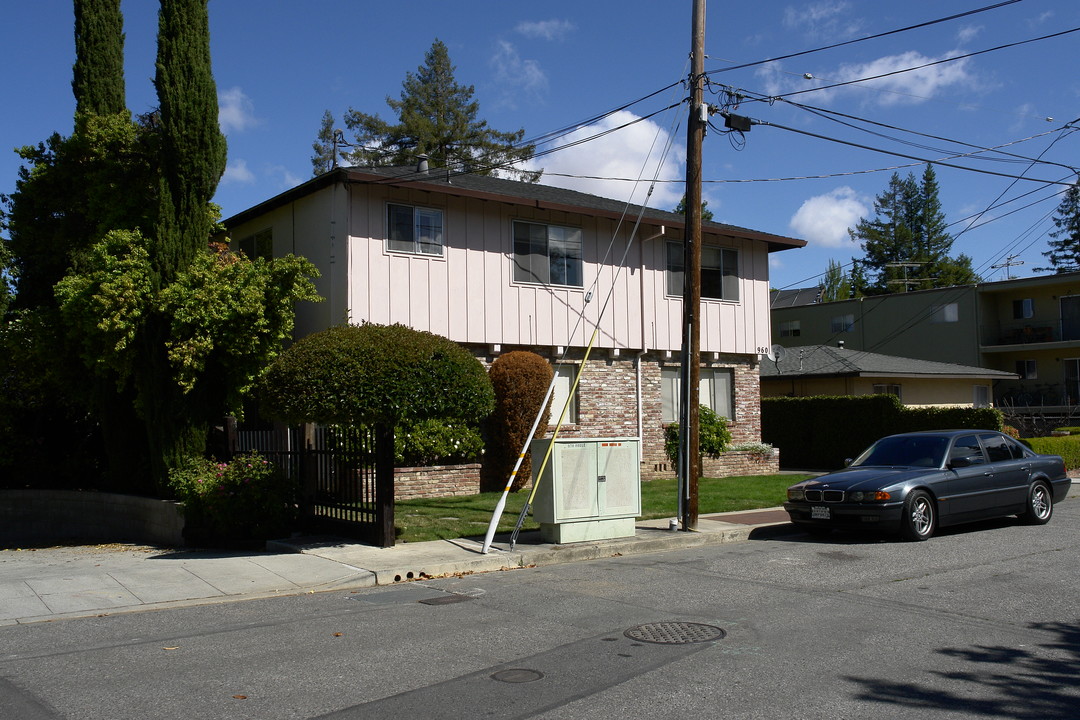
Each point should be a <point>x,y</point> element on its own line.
<point>865,38</point>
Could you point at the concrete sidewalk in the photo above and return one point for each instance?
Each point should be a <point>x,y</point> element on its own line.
<point>67,582</point>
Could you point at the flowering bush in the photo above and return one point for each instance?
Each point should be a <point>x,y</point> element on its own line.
<point>436,442</point>
<point>241,502</point>
<point>758,448</point>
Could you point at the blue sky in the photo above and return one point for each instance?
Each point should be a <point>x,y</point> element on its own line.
<point>553,65</point>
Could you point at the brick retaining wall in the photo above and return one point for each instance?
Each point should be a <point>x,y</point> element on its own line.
<point>436,481</point>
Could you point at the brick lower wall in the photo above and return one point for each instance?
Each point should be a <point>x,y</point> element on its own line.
<point>436,481</point>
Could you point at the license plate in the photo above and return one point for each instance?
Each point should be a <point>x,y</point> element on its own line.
<point>820,512</point>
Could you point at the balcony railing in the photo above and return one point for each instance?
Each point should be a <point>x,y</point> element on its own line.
<point>1027,332</point>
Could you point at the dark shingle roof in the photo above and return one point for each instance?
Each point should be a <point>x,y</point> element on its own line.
<point>794,297</point>
<point>511,191</point>
<point>830,361</point>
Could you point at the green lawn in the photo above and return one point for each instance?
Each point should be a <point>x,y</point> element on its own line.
<point>469,515</point>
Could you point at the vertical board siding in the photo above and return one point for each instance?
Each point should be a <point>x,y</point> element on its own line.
<point>469,294</point>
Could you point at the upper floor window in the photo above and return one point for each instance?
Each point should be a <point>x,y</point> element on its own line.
<point>414,229</point>
<point>790,328</point>
<point>843,323</point>
<point>949,313</point>
<point>259,245</point>
<point>1023,309</point>
<point>719,272</point>
<point>547,254</point>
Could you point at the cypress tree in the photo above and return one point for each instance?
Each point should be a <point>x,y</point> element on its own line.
<point>1064,249</point>
<point>192,146</point>
<point>98,77</point>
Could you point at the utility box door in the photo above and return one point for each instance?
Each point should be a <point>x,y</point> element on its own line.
<point>618,478</point>
<point>574,466</point>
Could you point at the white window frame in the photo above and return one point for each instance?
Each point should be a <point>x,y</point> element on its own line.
<point>564,380</point>
<point>556,258</point>
<point>716,391</point>
<point>719,272</point>
<point>980,397</point>
<point>426,234</point>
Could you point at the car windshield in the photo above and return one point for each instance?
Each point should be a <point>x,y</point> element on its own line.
<point>920,451</point>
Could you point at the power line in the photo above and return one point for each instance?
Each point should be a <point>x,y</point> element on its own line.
<point>865,38</point>
<point>925,65</point>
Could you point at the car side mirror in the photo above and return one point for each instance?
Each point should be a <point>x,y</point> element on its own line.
<point>960,462</point>
<point>848,461</point>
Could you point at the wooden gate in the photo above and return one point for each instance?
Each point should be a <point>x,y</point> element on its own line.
<point>345,476</point>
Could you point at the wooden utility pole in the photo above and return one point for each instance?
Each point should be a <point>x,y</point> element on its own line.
<point>689,452</point>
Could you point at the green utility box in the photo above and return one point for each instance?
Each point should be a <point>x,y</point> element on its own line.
<point>590,489</point>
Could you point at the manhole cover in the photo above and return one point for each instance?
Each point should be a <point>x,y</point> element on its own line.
<point>444,599</point>
<point>675,633</point>
<point>517,675</point>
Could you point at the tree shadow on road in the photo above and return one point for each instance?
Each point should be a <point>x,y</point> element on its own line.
<point>1040,679</point>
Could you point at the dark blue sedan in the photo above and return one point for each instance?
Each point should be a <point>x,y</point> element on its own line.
<point>914,483</point>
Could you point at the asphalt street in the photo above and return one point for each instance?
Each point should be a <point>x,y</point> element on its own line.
<point>978,622</point>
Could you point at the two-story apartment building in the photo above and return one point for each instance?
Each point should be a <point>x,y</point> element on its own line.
<point>1027,326</point>
<point>499,265</point>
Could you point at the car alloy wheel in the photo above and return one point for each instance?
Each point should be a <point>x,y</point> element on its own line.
<point>1040,506</point>
<point>919,517</point>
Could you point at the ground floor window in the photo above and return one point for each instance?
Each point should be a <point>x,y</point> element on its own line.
<point>716,391</point>
<point>564,381</point>
<point>885,389</point>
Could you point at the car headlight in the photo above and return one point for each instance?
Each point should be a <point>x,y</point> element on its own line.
<point>795,493</point>
<point>870,496</point>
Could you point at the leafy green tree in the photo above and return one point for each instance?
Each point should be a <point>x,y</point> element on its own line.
<point>438,117</point>
<point>706,213</point>
<point>906,243</point>
<point>835,285</point>
<point>1064,252</point>
<point>324,147</point>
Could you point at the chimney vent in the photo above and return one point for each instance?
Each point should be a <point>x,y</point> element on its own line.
<point>840,344</point>
<point>422,165</point>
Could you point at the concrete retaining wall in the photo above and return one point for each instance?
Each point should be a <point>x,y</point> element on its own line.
<point>35,517</point>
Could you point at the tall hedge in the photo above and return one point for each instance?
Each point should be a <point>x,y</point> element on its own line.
<point>379,374</point>
<point>821,432</point>
<point>520,380</point>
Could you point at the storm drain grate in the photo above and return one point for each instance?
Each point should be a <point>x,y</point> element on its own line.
<point>675,633</point>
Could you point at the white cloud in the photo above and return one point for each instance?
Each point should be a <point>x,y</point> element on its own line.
<point>968,33</point>
<point>914,86</point>
<point>236,171</point>
<point>517,76</point>
<point>285,178</point>
<point>624,153</point>
<point>546,29</point>
<point>825,219</point>
<point>910,87</point>
<point>235,110</point>
<point>821,19</point>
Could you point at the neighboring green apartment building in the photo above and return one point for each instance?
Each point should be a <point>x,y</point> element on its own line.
<point>1028,326</point>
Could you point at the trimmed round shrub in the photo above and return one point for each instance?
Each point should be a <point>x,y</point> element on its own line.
<point>520,380</point>
<point>379,374</point>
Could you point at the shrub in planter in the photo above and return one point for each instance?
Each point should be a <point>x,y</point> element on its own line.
<point>241,503</point>
<point>713,435</point>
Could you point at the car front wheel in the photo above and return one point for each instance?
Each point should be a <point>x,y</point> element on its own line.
<point>1040,505</point>
<point>920,517</point>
